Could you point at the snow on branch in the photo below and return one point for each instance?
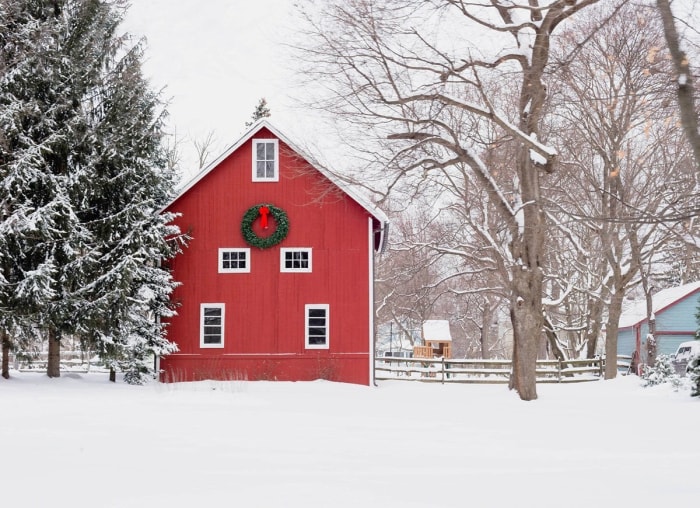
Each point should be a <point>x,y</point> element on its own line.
<point>546,302</point>
<point>466,156</point>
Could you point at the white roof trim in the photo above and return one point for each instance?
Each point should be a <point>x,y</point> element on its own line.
<point>362,201</point>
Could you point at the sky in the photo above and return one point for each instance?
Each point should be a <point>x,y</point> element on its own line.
<point>81,442</point>
<point>215,60</point>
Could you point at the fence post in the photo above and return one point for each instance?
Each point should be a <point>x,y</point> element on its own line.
<point>443,370</point>
<point>558,370</point>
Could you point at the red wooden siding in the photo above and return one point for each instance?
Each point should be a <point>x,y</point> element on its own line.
<point>264,335</point>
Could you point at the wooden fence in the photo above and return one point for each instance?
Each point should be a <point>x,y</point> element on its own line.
<point>405,369</point>
<point>443,370</point>
<point>76,361</point>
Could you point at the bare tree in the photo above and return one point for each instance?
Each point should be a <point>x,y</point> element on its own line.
<point>420,73</point>
<point>424,276</point>
<point>408,275</point>
<point>477,314</point>
<point>204,148</point>
<point>173,151</point>
<point>624,166</point>
<point>685,90</point>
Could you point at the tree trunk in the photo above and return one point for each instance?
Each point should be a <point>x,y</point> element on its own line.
<point>528,226</point>
<point>614,311</point>
<point>483,343</point>
<point>651,349</point>
<point>526,299</point>
<point>5,354</point>
<point>595,320</point>
<point>53,365</point>
<point>553,340</point>
<point>485,331</point>
<point>651,320</point>
<point>527,319</point>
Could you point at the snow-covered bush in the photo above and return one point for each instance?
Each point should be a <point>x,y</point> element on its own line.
<point>693,369</point>
<point>662,372</point>
<point>694,375</point>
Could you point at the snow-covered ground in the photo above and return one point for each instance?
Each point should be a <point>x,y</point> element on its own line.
<point>79,441</point>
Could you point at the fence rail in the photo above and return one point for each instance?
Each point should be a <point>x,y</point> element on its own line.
<point>439,370</point>
<point>78,361</point>
<point>443,370</point>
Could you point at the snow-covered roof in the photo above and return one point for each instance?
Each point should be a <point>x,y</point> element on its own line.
<point>378,214</point>
<point>660,301</point>
<point>437,330</point>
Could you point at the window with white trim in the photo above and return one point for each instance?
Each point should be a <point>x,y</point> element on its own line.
<point>265,160</point>
<point>295,260</point>
<point>317,320</point>
<point>234,260</point>
<point>211,329</point>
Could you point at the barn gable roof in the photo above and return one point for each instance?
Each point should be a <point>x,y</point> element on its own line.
<point>661,301</point>
<point>375,212</point>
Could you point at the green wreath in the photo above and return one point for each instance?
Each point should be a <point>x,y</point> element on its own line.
<point>280,232</point>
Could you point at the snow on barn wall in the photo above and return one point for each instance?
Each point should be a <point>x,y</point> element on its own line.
<point>251,312</point>
<point>674,310</point>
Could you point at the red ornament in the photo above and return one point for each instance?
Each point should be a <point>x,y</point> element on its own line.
<point>264,212</point>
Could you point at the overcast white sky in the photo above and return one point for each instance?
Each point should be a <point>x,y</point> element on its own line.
<point>216,59</point>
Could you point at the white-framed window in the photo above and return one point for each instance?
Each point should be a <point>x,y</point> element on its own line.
<point>265,160</point>
<point>211,328</point>
<point>295,260</point>
<point>317,326</point>
<point>234,260</point>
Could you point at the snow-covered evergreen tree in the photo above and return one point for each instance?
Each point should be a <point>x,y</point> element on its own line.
<point>84,177</point>
<point>261,111</point>
<point>123,185</point>
<point>38,119</point>
<point>693,368</point>
<point>661,372</point>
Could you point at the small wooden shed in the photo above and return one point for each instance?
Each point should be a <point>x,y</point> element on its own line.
<point>437,340</point>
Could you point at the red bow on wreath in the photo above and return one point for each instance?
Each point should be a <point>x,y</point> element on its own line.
<point>264,212</point>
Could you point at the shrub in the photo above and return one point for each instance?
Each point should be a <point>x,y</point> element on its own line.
<point>693,371</point>
<point>662,372</point>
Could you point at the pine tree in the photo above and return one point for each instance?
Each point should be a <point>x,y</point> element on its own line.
<point>38,118</point>
<point>84,178</point>
<point>693,368</point>
<point>661,372</point>
<point>124,185</point>
<point>261,111</point>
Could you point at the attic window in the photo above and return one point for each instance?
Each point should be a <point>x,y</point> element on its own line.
<point>265,160</point>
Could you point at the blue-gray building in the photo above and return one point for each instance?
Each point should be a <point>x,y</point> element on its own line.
<point>674,310</point>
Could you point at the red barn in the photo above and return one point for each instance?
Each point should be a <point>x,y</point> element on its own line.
<point>277,279</point>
